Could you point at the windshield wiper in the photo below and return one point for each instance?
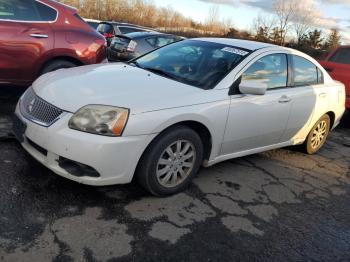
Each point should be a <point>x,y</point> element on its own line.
<point>161,72</point>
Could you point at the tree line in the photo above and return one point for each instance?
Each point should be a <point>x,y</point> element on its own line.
<point>293,22</point>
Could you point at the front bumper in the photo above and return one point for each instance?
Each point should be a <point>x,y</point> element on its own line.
<point>114,158</point>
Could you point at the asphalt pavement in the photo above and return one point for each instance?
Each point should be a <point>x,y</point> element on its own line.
<point>280,205</point>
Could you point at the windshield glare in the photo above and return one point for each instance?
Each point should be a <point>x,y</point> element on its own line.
<point>193,62</point>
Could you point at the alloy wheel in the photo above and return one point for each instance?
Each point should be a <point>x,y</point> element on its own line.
<point>319,134</point>
<point>176,163</point>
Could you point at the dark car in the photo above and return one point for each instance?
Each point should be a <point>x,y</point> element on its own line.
<point>37,37</point>
<point>92,22</point>
<point>132,45</point>
<point>111,29</point>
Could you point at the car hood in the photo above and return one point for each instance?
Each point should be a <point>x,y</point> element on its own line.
<point>116,85</point>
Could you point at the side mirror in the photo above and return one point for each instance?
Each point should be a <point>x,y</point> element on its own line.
<point>253,87</point>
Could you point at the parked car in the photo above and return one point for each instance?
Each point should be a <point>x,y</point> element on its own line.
<point>111,29</point>
<point>132,45</point>
<point>40,36</point>
<point>92,22</point>
<point>337,64</point>
<point>164,114</point>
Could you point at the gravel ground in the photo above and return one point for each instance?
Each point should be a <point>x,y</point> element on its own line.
<point>280,205</point>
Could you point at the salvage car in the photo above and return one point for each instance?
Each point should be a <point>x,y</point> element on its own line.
<point>92,22</point>
<point>337,64</point>
<point>161,116</point>
<point>40,36</point>
<point>130,46</point>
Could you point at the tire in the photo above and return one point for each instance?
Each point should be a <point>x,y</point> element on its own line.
<point>156,169</point>
<point>57,64</point>
<point>320,130</point>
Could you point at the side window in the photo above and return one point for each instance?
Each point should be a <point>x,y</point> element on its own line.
<point>162,41</point>
<point>47,14</point>
<point>20,10</point>
<point>271,70</point>
<point>342,56</point>
<point>7,10</point>
<point>305,72</point>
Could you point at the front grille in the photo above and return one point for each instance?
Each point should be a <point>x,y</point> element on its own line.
<point>38,110</point>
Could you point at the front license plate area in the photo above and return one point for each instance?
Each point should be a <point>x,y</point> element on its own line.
<point>19,128</point>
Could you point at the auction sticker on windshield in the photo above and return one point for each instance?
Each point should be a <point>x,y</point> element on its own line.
<point>235,51</point>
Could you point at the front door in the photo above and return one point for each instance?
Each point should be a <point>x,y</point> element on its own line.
<point>257,121</point>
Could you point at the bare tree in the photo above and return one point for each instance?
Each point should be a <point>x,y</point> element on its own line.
<point>303,19</point>
<point>333,39</point>
<point>146,13</point>
<point>285,11</point>
<point>226,25</point>
<point>212,21</point>
<point>263,24</point>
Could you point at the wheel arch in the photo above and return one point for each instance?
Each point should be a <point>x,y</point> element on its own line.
<point>56,58</point>
<point>200,128</point>
<point>331,115</point>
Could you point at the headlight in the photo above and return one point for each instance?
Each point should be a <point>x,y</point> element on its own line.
<point>101,120</point>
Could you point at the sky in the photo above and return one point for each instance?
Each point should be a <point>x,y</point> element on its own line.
<point>329,13</point>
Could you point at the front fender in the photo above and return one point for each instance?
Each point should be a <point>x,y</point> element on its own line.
<point>212,115</point>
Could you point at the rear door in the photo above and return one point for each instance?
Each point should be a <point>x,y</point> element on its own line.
<point>308,96</point>
<point>25,37</point>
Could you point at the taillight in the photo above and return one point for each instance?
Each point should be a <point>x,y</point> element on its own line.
<point>132,46</point>
<point>108,35</point>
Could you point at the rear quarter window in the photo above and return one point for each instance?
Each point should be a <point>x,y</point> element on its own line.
<point>320,77</point>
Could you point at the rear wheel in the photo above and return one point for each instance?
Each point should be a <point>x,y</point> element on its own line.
<point>169,164</point>
<point>57,64</point>
<point>318,135</point>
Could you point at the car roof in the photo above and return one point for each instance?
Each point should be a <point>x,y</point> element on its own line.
<point>137,35</point>
<point>245,44</point>
<point>91,20</point>
<point>124,24</point>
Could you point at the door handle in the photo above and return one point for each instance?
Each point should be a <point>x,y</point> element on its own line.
<point>322,95</point>
<point>39,36</point>
<point>284,99</point>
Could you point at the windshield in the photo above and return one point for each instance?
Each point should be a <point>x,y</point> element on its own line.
<point>193,62</point>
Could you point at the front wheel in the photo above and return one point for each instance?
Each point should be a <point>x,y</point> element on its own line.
<point>171,161</point>
<point>318,135</point>
<point>57,64</point>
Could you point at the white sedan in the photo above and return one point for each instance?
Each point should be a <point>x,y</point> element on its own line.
<point>160,117</point>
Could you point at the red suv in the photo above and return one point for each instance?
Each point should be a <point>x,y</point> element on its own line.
<point>338,66</point>
<point>40,36</point>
